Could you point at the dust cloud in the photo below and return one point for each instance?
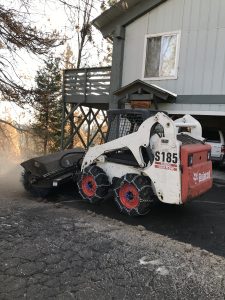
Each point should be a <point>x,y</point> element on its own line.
<point>10,175</point>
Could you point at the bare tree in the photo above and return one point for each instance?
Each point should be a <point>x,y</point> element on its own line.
<point>17,33</point>
<point>79,18</point>
<point>105,4</point>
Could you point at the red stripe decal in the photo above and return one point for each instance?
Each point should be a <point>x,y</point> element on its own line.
<point>165,166</point>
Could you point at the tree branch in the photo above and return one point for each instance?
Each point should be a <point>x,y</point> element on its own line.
<point>14,126</point>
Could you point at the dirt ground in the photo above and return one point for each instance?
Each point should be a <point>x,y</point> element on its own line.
<point>63,248</point>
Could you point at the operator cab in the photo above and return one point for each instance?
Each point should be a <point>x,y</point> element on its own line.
<point>126,121</point>
<point>121,123</point>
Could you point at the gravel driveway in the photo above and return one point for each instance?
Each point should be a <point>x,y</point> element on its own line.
<point>73,251</point>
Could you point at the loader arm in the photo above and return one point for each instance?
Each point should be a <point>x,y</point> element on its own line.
<point>134,141</point>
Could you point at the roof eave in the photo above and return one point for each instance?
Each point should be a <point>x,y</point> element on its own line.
<point>164,95</point>
<point>122,14</point>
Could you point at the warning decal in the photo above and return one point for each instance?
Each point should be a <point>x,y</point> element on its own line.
<point>166,160</point>
<point>165,166</point>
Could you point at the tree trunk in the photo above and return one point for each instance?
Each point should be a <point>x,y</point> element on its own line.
<point>46,127</point>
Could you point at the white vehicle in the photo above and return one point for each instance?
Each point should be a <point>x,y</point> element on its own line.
<point>147,156</point>
<point>215,139</point>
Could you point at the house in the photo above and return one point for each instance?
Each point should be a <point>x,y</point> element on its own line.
<point>176,47</point>
<point>167,55</point>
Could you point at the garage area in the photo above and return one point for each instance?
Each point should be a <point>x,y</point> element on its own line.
<point>213,128</point>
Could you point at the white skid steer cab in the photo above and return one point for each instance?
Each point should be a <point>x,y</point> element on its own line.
<point>147,157</point>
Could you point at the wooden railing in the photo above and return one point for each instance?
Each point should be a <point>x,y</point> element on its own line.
<point>91,85</point>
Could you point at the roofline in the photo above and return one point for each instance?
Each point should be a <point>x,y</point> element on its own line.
<point>151,88</point>
<point>122,14</point>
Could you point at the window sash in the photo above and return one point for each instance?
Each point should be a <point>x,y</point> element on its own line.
<point>161,56</point>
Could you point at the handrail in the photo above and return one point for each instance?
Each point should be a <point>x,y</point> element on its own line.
<point>87,84</point>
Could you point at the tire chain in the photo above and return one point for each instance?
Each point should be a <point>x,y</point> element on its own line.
<point>101,180</point>
<point>148,194</point>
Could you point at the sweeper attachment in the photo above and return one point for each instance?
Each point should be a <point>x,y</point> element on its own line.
<point>147,157</point>
<point>42,174</point>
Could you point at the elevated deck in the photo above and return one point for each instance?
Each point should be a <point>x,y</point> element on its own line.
<point>88,86</point>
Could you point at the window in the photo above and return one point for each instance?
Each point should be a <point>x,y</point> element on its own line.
<point>161,56</point>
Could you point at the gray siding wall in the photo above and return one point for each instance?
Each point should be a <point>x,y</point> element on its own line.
<point>202,52</point>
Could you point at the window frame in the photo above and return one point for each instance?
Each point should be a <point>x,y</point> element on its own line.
<point>178,34</point>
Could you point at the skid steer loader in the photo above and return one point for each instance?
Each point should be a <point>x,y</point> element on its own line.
<point>147,157</point>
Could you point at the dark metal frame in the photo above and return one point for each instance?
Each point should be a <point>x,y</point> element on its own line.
<point>126,121</point>
<point>89,117</point>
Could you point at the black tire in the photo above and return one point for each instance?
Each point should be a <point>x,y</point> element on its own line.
<point>93,184</point>
<point>35,191</point>
<point>133,194</point>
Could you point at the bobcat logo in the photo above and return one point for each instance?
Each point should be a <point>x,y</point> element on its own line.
<point>195,177</point>
<point>200,177</point>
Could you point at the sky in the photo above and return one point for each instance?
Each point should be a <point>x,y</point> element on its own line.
<point>48,16</point>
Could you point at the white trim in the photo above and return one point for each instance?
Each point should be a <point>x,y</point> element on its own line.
<point>159,87</point>
<point>178,34</point>
<point>200,113</point>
